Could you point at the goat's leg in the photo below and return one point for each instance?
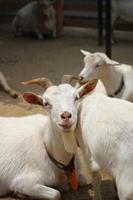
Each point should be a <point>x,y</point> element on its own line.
<point>96,179</point>
<point>54,32</point>
<point>41,191</point>
<point>38,34</point>
<point>96,182</point>
<point>16,26</point>
<point>92,167</point>
<point>31,184</point>
<point>6,87</point>
<point>37,191</point>
<point>114,16</point>
<point>79,163</point>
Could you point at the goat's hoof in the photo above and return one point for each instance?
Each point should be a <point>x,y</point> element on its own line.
<point>91,192</point>
<point>13,94</point>
<point>40,37</point>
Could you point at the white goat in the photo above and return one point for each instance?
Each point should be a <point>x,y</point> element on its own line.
<point>106,125</point>
<point>34,148</point>
<point>37,18</point>
<point>6,87</point>
<point>117,78</point>
<point>122,9</point>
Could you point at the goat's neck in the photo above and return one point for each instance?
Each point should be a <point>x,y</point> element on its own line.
<point>54,144</point>
<point>110,77</point>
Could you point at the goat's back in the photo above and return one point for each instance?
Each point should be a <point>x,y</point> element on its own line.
<point>107,127</point>
<point>21,144</point>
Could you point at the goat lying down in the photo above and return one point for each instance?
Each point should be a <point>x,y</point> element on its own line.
<point>35,18</point>
<point>105,134</point>
<point>36,150</point>
<point>6,87</point>
<point>117,78</point>
<point>122,9</point>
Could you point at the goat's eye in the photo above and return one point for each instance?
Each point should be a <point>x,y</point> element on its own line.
<point>76,98</point>
<point>46,104</point>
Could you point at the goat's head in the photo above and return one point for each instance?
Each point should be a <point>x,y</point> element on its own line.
<point>60,101</point>
<point>48,13</point>
<point>45,4</point>
<point>92,63</point>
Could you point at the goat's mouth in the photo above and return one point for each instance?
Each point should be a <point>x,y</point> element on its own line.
<point>82,82</point>
<point>66,127</point>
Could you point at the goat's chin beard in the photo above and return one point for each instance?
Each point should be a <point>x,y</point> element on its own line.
<point>70,143</point>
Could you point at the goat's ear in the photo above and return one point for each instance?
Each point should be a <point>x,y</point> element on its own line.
<point>88,87</point>
<point>32,98</point>
<point>101,65</point>
<point>106,61</point>
<point>85,53</point>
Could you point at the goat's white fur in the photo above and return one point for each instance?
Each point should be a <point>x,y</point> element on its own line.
<point>106,125</point>
<point>122,9</point>
<point>25,166</point>
<point>6,87</point>
<point>110,72</point>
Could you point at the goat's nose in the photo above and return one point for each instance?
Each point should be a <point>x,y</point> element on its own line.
<point>81,78</point>
<point>66,115</point>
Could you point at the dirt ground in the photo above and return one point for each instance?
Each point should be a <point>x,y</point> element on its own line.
<point>26,58</point>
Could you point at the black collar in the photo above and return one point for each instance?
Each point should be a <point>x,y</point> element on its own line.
<point>119,89</point>
<point>67,168</point>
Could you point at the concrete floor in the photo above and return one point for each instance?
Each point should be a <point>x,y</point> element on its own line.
<point>25,58</point>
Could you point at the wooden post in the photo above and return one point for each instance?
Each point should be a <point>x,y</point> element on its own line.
<point>100,21</point>
<point>60,17</point>
<point>108,28</point>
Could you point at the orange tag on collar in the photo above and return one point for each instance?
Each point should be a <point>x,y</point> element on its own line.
<point>73,180</point>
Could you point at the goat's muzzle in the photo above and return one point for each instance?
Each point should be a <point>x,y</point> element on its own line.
<point>66,127</point>
<point>82,81</point>
<point>66,123</point>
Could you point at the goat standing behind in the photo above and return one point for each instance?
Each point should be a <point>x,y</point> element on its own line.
<point>105,134</point>
<point>117,78</point>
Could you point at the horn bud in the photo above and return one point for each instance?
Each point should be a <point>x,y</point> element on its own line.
<point>43,82</point>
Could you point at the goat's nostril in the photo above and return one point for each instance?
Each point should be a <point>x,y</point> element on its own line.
<point>62,116</point>
<point>66,115</point>
<point>70,115</point>
<point>81,78</point>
